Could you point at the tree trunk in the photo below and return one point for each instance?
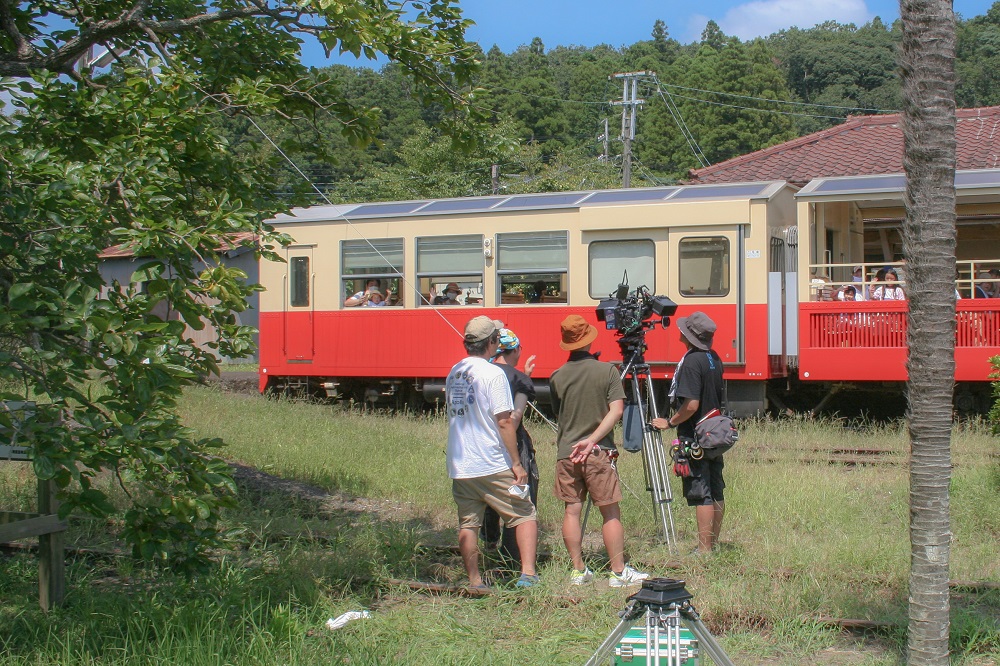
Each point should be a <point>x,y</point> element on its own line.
<point>927,69</point>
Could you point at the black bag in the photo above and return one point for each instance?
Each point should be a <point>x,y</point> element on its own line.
<point>715,434</point>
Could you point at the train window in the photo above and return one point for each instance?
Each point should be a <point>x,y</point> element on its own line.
<point>299,283</point>
<point>704,266</point>
<point>609,261</point>
<point>379,260</point>
<point>450,263</point>
<point>531,267</point>
<point>451,289</point>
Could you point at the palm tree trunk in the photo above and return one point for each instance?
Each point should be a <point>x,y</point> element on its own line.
<point>927,68</point>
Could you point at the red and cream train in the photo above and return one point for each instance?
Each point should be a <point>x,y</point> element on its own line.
<point>763,259</point>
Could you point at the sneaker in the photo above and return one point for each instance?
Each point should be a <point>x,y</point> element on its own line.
<point>627,577</point>
<point>581,577</point>
<point>526,580</point>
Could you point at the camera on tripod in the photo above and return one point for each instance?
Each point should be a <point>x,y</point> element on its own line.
<point>631,312</point>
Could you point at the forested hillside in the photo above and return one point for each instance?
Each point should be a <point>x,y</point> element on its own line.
<point>542,111</point>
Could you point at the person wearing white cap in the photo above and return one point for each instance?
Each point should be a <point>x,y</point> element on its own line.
<point>482,455</point>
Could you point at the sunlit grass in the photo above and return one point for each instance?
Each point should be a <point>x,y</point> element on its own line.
<point>804,539</point>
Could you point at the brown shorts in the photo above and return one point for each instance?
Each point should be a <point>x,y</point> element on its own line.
<point>596,475</point>
<point>472,496</point>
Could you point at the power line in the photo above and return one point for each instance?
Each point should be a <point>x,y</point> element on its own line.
<point>551,99</point>
<point>779,101</point>
<point>751,108</point>
<point>675,113</point>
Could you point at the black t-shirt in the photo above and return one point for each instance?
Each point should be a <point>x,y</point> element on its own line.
<point>700,378</point>
<point>519,383</point>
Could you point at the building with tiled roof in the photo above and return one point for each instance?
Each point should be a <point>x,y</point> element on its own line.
<point>862,145</point>
<point>119,262</point>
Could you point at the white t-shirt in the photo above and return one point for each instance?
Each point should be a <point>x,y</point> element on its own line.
<point>889,293</point>
<point>476,390</point>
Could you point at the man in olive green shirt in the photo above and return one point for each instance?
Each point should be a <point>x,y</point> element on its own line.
<point>588,399</point>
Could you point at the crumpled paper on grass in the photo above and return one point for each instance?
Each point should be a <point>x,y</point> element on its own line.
<point>341,620</point>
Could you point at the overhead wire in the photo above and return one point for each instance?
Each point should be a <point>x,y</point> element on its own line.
<point>350,223</point>
<point>779,101</point>
<point>675,113</point>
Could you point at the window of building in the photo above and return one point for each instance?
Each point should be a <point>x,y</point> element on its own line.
<point>381,261</point>
<point>299,282</point>
<point>703,265</point>
<point>610,261</point>
<point>450,263</point>
<point>531,267</point>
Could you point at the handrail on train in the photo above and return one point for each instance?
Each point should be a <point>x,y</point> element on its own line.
<point>968,275</point>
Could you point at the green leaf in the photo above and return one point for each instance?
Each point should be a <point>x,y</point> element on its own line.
<point>19,289</point>
<point>44,468</point>
<point>149,271</point>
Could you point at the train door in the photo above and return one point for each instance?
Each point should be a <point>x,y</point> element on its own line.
<point>299,304</point>
<point>705,272</point>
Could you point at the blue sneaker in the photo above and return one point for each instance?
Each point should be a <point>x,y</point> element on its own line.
<point>526,580</point>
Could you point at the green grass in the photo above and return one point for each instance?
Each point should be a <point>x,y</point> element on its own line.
<point>804,539</point>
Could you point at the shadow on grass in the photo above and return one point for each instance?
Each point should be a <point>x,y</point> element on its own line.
<point>301,553</point>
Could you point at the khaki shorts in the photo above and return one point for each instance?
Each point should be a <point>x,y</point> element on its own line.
<point>596,476</point>
<point>472,496</point>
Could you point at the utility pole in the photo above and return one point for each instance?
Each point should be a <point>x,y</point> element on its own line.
<point>630,104</point>
<point>604,143</point>
<point>495,178</point>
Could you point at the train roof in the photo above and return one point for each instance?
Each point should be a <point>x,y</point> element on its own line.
<point>892,186</point>
<point>762,190</point>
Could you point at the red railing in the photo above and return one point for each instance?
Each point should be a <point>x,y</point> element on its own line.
<point>866,341</point>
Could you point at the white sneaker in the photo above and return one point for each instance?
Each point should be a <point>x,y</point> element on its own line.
<point>581,577</point>
<point>627,577</point>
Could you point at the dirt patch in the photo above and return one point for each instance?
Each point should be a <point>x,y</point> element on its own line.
<point>247,383</point>
<point>255,483</point>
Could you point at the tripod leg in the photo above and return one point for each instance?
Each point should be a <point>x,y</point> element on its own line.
<point>705,639</point>
<point>609,643</point>
<point>654,459</point>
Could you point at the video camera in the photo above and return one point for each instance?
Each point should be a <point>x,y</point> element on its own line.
<point>630,313</point>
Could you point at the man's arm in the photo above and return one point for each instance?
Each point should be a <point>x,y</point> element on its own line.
<point>688,409</point>
<point>508,435</point>
<point>584,447</point>
<point>520,403</point>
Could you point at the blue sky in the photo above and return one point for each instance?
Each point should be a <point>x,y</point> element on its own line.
<point>511,23</point>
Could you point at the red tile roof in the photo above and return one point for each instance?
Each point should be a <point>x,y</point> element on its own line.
<point>126,250</point>
<point>862,145</point>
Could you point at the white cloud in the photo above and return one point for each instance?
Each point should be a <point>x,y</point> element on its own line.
<point>763,17</point>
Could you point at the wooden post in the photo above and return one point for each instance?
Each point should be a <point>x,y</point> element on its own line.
<point>44,524</point>
<point>51,555</point>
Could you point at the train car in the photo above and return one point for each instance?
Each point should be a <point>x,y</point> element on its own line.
<point>732,251</point>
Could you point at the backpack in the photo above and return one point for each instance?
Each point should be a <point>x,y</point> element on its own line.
<point>715,434</point>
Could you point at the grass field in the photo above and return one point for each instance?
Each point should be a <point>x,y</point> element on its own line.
<point>814,530</point>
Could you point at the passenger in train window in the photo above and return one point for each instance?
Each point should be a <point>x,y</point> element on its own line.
<point>361,298</point>
<point>889,290</point>
<point>876,282</point>
<point>375,299</point>
<point>987,285</point>
<point>850,293</point>
<point>537,292</point>
<point>981,287</point>
<point>451,294</point>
